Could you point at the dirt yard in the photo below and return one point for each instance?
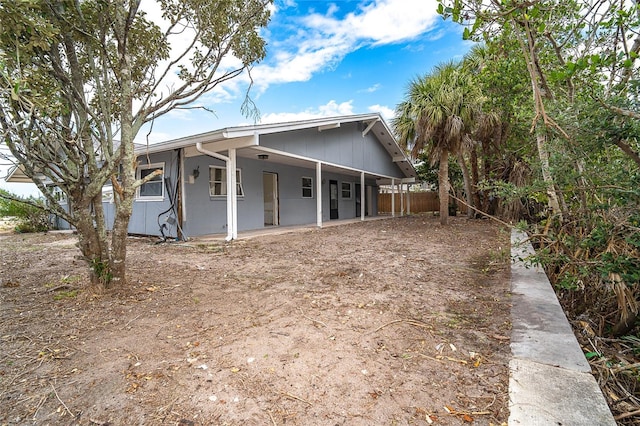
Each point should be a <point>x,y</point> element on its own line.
<point>388,322</point>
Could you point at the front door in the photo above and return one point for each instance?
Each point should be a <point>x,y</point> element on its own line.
<point>333,199</point>
<point>270,190</point>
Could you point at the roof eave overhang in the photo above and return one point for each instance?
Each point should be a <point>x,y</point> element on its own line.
<point>247,136</point>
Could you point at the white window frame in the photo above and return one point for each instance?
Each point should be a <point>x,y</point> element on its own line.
<point>60,196</point>
<point>107,194</point>
<point>156,180</point>
<point>342,190</point>
<point>307,187</point>
<point>223,182</point>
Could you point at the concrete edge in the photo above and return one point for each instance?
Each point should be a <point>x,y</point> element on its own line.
<point>550,381</point>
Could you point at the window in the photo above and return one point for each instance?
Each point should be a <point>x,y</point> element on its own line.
<point>59,196</point>
<point>346,189</point>
<point>107,194</point>
<point>307,187</point>
<point>218,182</point>
<point>154,188</point>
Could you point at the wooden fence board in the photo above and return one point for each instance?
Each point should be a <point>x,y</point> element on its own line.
<point>420,202</point>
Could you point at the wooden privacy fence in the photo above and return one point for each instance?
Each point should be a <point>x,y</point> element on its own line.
<point>420,202</point>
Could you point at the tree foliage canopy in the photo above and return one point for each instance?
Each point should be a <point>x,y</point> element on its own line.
<point>563,79</point>
<point>79,79</point>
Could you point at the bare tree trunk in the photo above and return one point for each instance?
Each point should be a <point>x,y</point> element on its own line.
<point>543,155</point>
<point>475,179</point>
<point>467,185</point>
<point>539,91</point>
<point>94,250</point>
<point>443,187</point>
<point>125,207</point>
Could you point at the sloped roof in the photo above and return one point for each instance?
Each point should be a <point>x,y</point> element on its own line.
<point>16,174</point>
<point>374,123</point>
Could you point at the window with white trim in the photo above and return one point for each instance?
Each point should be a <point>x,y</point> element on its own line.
<point>154,188</point>
<point>346,190</point>
<point>59,196</point>
<point>307,187</point>
<point>218,182</point>
<point>107,194</point>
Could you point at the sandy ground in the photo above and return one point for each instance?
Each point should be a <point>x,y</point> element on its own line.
<point>390,322</point>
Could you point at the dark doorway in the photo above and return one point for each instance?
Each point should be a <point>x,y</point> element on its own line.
<point>333,199</point>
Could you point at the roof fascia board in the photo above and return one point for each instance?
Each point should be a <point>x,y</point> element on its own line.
<point>264,129</point>
<point>234,143</point>
<point>399,158</point>
<point>250,131</point>
<point>180,143</point>
<point>210,145</point>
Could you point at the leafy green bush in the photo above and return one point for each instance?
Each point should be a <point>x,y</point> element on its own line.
<point>29,211</point>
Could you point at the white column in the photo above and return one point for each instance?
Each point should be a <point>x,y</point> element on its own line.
<point>234,193</point>
<point>408,201</point>
<point>230,179</point>
<point>362,198</point>
<point>183,198</point>
<point>319,194</point>
<point>393,197</point>
<point>401,198</point>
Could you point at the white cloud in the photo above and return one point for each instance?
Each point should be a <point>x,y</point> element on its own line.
<point>330,109</point>
<point>322,40</point>
<point>371,89</point>
<point>386,112</point>
<point>317,42</point>
<point>380,21</point>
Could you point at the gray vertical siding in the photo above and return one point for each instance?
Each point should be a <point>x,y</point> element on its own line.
<point>146,218</point>
<point>344,146</point>
<point>205,214</point>
<point>208,215</point>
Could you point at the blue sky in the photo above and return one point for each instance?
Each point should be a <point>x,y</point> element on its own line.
<point>328,58</point>
<point>324,58</point>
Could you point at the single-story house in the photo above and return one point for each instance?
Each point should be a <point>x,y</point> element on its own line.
<point>294,173</point>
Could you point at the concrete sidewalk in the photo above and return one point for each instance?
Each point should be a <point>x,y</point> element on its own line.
<point>550,381</point>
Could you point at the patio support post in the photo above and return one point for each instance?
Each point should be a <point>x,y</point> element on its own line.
<point>230,175</point>
<point>183,203</point>
<point>319,194</point>
<point>362,197</point>
<point>234,193</point>
<point>401,199</point>
<point>393,197</point>
<point>408,200</point>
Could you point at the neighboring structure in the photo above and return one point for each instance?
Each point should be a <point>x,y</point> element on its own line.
<point>296,173</point>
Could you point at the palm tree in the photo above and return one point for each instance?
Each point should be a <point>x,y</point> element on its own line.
<point>437,116</point>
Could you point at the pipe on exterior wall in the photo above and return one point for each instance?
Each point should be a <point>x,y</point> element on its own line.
<point>230,189</point>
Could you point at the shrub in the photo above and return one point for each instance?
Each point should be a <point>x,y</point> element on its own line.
<point>29,212</point>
